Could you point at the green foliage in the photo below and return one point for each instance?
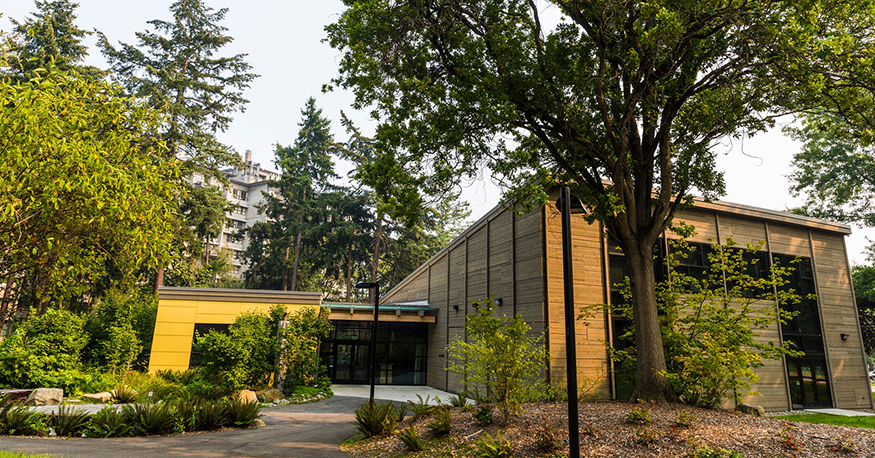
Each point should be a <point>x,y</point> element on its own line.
<point>421,407</point>
<point>301,348</point>
<point>377,419</point>
<point>441,423</point>
<point>500,356</point>
<point>245,356</point>
<point>646,435</point>
<point>124,394</point>
<point>684,419</point>
<point>187,411</point>
<point>483,414</point>
<point>151,417</point>
<point>639,417</point>
<point>211,416</point>
<point>42,348</point>
<point>458,400</point>
<point>109,422</point>
<point>70,421</point>
<point>547,437</point>
<point>864,288</point>
<point>242,414</point>
<point>490,446</point>
<point>709,323</point>
<point>86,199</point>
<point>708,452</point>
<point>23,421</point>
<point>121,328</point>
<point>75,381</point>
<point>178,68</point>
<point>410,438</point>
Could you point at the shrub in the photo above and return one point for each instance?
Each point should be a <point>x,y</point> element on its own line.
<point>458,400</point>
<point>44,345</point>
<point>493,447</point>
<point>422,407</point>
<point>109,422</point>
<point>121,329</point>
<point>241,413</point>
<point>187,413</point>
<point>440,424</point>
<point>646,435</point>
<point>846,444</point>
<point>70,421</point>
<point>410,438</point>
<point>684,419</point>
<point>212,415</point>
<point>501,357</point>
<point>300,349</point>
<point>639,417</point>
<point>124,394</point>
<point>75,381</point>
<point>377,419</point>
<point>588,428</point>
<point>151,418</point>
<point>206,391</point>
<point>22,421</point>
<point>483,414</point>
<point>245,356</point>
<point>547,437</point>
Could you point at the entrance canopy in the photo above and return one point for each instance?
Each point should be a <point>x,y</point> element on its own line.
<point>408,312</point>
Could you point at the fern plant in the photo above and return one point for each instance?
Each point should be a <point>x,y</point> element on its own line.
<point>411,439</point>
<point>151,418</point>
<point>440,424</point>
<point>22,421</point>
<point>422,407</point>
<point>377,419</point>
<point>109,422</point>
<point>493,447</point>
<point>69,421</point>
<point>212,415</point>
<point>241,413</point>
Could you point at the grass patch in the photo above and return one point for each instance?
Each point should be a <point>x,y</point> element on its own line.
<point>20,455</point>
<point>827,419</point>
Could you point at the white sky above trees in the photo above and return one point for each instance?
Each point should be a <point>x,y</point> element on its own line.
<point>283,43</point>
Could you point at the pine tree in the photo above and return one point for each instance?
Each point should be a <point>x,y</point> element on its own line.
<point>177,69</point>
<point>48,38</point>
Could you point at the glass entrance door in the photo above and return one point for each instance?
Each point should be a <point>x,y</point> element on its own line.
<point>351,363</point>
<point>809,386</point>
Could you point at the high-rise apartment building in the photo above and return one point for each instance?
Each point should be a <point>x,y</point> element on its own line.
<point>245,192</point>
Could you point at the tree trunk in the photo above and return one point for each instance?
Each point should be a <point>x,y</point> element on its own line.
<point>649,384</point>
<point>349,272</point>
<point>159,279</point>
<point>286,272</point>
<point>297,258</point>
<point>375,261</point>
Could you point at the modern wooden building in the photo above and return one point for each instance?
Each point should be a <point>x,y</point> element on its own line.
<point>517,260</point>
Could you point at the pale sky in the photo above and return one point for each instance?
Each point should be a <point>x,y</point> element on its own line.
<point>283,43</point>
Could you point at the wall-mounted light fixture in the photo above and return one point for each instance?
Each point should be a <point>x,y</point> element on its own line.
<point>398,311</point>
<point>499,301</point>
<point>456,307</point>
<point>844,336</point>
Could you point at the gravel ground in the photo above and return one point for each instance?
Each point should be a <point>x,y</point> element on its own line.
<point>610,435</point>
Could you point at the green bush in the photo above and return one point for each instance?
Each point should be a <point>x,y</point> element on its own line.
<point>493,447</point>
<point>242,414</point>
<point>109,422</point>
<point>639,417</point>
<point>502,357</point>
<point>410,438</point>
<point>41,347</point>
<point>301,348</point>
<point>23,421</point>
<point>245,356</point>
<point>441,423</point>
<point>121,329</point>
<point>422,407</point>
<point>377,419</point>
<point>708,452</point>
<point>211,415</point>
<point>70,421</point>
<point>75,381</point>
<point>151,418</point>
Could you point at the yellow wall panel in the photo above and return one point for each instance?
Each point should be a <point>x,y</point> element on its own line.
<point>174,329</point>
<point>175,314</point>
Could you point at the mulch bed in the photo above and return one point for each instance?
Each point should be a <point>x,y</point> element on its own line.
<point>612,436</point>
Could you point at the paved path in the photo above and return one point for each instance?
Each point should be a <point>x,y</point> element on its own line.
<point>298,431</point>
<point>843,412</point>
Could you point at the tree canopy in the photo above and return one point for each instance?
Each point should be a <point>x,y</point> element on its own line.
<point>84,192</point>
<point>623,101</point>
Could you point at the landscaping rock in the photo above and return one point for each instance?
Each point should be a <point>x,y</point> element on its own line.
<point>247,396</point>
<point>269,395</point>
<point>757,411</point>
<point>45,397</point>
<point>258,423</point>
<point>97,398</point>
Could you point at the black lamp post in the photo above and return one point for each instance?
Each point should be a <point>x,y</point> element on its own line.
<point>568,204</point>
<point>372,371</point>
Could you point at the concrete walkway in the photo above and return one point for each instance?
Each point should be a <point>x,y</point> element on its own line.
<point>843,412</point>
<point>298,431</point>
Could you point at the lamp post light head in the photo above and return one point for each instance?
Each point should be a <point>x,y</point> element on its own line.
<point>367,284</point>
<point>576,205</point>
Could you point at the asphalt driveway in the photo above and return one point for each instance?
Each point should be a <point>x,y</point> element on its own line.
<point>297,431</point>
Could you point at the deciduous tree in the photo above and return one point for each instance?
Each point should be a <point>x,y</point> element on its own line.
<point>622,100</point>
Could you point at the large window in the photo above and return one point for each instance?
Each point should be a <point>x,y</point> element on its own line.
<point>401,352</point>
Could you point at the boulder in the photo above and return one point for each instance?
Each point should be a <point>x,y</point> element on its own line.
<point>757,411</point>
<point>97,398</point>
<point>247,396</point>
<point>258,423</point>
<point>269,395</point>
<point>45,397</point>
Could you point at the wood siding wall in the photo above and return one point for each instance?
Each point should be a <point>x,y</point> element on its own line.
<point>519,259</point>
<point>500,256</point>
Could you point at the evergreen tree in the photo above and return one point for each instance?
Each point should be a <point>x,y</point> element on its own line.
<point>49,37</point>
<point>177,69</point>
